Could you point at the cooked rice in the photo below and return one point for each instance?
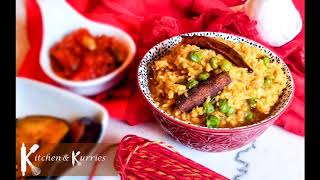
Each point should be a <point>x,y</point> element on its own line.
<point>170,73</point>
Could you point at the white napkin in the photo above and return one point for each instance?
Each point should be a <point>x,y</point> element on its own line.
<point>278,21</point>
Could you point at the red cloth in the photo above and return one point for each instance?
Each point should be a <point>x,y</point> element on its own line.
<point>150,21</point>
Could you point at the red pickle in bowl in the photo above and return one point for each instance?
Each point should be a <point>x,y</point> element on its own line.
<point>80,56</point>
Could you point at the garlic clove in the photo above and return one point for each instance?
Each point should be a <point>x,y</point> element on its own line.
<point>278,21</point>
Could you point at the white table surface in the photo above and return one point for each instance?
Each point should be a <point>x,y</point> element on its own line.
<point>275,155</point>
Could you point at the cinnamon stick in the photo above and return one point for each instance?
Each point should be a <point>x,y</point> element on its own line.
<point>197,95</point>
<point>220,47</point>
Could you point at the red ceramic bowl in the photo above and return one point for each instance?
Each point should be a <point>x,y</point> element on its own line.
<point>203,138</point>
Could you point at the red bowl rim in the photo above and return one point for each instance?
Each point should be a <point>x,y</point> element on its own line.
<point>219,130</point>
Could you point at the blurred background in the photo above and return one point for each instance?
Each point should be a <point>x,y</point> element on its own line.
<point>22,44</point>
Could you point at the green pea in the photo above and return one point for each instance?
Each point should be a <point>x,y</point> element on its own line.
<point>231,111</point>
<point>224,108</point>
<point>195,56</point>
<point>208,107</point>
<point>212,121</point>
<point>192,83</point>
<point>226,65</point>
<point>249,116</point>
<point>203,76</point>
<point>252,102</point>
<point>223,101</point>
<point>267,81</point>
<point>266,60</point>
<point>214,62</point>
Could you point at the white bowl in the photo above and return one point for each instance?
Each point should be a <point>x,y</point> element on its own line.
<point>36,98</point>
<point>59,19</point>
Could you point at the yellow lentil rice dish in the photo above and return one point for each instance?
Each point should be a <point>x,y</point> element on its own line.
<point>247,99</point>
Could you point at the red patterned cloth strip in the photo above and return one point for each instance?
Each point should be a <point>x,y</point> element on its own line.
<point>139,158</point>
